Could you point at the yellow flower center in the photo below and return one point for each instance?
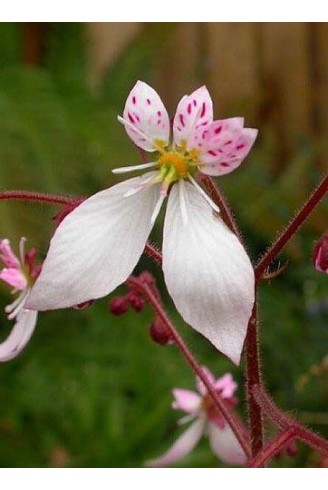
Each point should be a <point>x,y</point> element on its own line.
<point>175,161</point>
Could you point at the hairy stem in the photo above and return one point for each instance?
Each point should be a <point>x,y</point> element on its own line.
<point>292,228</point>
<point>193,363</point>
<point>39,197</point>
<point>274,447</point>
<point>253,378</point>
<point>279,418</point>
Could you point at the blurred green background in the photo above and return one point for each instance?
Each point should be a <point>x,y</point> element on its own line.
<point>92,389</point>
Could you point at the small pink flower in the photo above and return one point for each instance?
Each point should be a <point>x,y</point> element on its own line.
<point>206,420</point>
<point>19,274</point>
<point>320,255</point>
<point>207,271</point>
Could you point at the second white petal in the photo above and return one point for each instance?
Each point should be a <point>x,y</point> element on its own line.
<point>207,272</point>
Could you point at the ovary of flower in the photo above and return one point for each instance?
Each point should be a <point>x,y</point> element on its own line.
<point>20,275</point>
<point>206,420</point>
<point>206,269</point>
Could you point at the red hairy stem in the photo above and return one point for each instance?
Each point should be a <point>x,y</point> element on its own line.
<point>193,363</point>
<point>253,378</point>
<point>274,447</point>
<point>217,196</point>
<point>282,420</point>
<point>39,197</point>
<point>292,228</point>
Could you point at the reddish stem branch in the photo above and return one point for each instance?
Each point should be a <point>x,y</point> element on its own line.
<point>278,417</point>
<point>39,197</point>
<point>193,363</point>
<point>292,228</point>
<point>253,378</point>
<point>274,447</point>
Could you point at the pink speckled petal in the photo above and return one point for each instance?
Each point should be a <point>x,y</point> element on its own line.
<point>193,112</point>
<point>223,158</point>
<point>145,117</point>
<point>186,400</point>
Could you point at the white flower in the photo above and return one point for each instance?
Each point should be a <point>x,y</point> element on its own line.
<point>206,269</point>
<point>206,420</point>
<point>20,275</point>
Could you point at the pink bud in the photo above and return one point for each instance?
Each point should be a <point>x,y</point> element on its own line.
<point>160,333</point>
<point>320,254</point>
<point>136,301</point>
<point>119,305</point>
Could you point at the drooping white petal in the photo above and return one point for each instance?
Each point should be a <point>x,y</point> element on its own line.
<point>96,247</point>
<point>207,272</point>
<point>19,336</point>
<point>145,117</point>
<point>193,111</point>
<point>183,445</point>
<point>225,445</point>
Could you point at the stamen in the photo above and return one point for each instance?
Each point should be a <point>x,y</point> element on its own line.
<point>182,197</point>
<point>149,181</point>
<point>12,306</point>
<point>203,193</point>
<point>19,305</point>
<point>22,249</point>
<point>132,168</point>
<point>158,207</point>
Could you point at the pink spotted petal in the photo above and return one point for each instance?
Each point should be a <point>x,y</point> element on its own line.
<point>14,277</point>
<point>219,134</point>
<point>226,386</point>
<point>193,112</point>
<point>19,336</point>
<point>185,400</point>
<point>183,446</point>
<point>146,119</point>
<point>225,445</point>
<point>7,255</point>
<point>224,159</point>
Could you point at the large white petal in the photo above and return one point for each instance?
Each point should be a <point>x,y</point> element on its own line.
<point>183,445</point>
<point>225,445</point>
<point>96,247</point>
<point>207,272</point>
<point>19,336</point>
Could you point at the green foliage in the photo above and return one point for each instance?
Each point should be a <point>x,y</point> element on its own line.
<point>91,389</point>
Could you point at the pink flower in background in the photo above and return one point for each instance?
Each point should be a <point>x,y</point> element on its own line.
<point>206,420</point>
<point>20,274</point>
<point>207,271</point>
<point>320,255</point>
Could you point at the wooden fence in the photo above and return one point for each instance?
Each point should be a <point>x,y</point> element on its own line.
<point>278,71</point>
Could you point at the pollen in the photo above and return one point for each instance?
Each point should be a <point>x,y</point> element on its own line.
<point>176,161</point>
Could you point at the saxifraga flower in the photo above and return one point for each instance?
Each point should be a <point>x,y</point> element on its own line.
<point>207,271</point>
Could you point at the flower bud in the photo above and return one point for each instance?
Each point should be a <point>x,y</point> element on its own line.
<point>119,305</point>
<point>320,254</point>
<point>137,302</point>
<point>160,333</point>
